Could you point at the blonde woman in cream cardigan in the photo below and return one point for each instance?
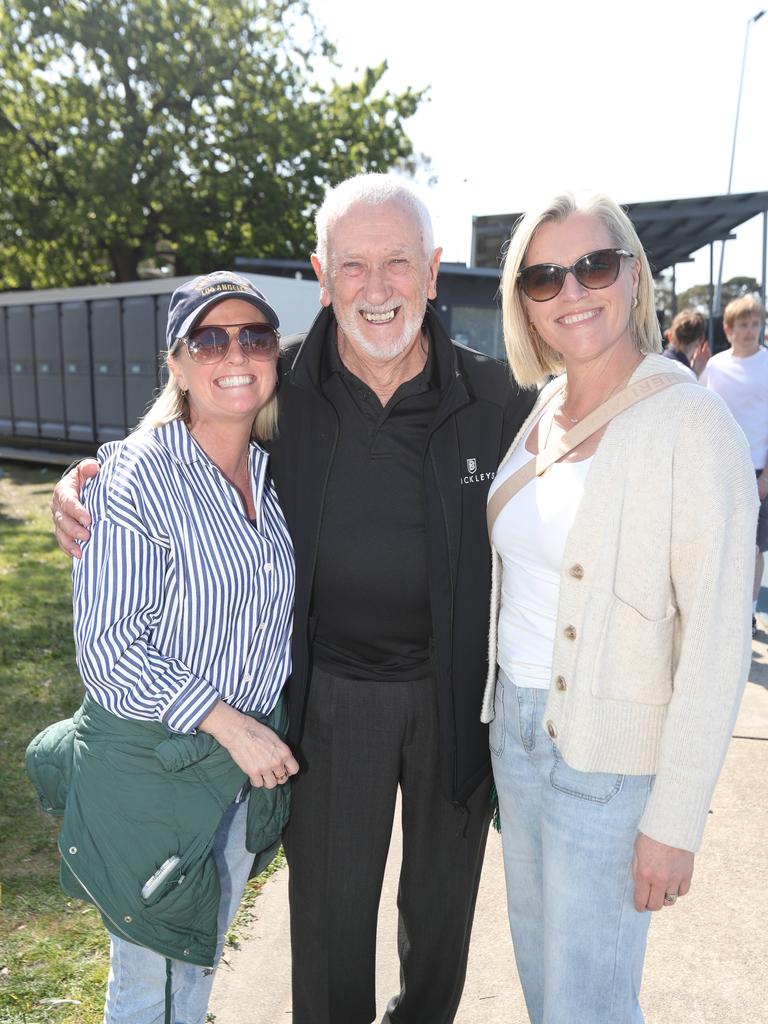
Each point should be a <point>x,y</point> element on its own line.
<point>620,619</point>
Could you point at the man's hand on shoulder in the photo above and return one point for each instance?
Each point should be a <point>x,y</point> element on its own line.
<point>70,518</point>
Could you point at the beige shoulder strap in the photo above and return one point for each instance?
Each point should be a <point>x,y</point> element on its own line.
<point>598,418</point>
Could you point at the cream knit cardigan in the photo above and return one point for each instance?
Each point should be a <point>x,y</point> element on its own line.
<point>652,643</point>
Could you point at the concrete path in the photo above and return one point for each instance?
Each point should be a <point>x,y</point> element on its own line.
<point>707,961</point>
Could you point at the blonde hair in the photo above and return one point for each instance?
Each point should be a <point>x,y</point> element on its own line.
<point>747,305</point>
<point>530,357</point>
<point>172,404</point>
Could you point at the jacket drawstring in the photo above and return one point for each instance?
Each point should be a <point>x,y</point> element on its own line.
<point>168,990</point>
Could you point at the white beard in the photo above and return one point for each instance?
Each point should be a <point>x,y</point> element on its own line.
<point>350,325</point>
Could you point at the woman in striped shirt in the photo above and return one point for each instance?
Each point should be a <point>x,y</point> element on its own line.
<point>183,596</point>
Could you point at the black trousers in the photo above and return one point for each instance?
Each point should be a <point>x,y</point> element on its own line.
<point>361,740</point>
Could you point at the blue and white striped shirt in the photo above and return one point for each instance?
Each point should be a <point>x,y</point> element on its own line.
<point>179,600</point>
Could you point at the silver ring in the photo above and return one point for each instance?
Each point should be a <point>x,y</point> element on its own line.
<point>670,898</point>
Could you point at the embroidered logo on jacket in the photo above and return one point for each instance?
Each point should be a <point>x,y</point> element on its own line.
<point>473,477</point>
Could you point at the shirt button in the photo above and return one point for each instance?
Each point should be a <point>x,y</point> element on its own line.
<point>570,632</point>
<point>551,729</point>
<point>577,571</point>
<point>268,567</point>
<point>560,684</point>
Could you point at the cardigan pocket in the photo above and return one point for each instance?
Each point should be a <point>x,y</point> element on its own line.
<point>634,658</point>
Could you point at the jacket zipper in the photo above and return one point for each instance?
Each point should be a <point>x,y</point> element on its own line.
<point>332,456</point>
<point>452,571</point>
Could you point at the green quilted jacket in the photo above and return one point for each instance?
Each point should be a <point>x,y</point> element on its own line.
<point>133,794</point>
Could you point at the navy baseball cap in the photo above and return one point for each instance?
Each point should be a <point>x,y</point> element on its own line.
<point>192,299</point>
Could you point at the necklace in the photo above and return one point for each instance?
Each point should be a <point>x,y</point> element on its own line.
<point>613,391</point>
<point>562,407</point>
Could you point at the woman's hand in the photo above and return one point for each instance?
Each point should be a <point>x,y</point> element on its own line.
<point>661,873</point>
<point>700,357</point>
<point>70,518</point>
<point>254,747</point>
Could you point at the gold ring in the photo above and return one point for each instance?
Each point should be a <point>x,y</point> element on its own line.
<point>670,898</point>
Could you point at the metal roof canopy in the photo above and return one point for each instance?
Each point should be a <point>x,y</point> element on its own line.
<point>671,230</point>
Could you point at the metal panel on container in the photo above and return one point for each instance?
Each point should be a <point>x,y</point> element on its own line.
<point>108,382</point>
<point>140,352</point>
<point>162,302</point>
<point>50,386</point>
<point>21,356</point>
<point>76,352</point>
<point>6,403</point>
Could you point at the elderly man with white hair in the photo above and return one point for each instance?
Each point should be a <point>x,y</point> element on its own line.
<point>389,436</point>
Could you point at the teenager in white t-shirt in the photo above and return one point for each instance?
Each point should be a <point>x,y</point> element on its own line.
<point>740,376</point>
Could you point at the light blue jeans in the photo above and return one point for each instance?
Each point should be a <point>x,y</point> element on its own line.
<point>568,838</point>
<point>137,976</point>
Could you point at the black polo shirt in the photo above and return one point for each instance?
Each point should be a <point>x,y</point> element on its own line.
<point>370,600</point>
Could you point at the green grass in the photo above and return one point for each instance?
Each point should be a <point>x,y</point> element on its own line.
<point>53,950</point>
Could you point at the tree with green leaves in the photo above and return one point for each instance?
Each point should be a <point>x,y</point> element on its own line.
<point>698,297</point>
<point>128,123</point>
<point>662,290</point>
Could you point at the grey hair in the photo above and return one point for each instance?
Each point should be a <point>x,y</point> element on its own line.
<point>172,404</point>
<point>372,190</point>
<point>530,357</point>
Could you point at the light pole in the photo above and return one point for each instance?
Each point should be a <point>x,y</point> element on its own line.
<point>750,22</point>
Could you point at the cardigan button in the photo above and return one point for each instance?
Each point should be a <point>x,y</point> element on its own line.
<point>560,684</point>
<point>128,919</point>
<point>577,571</point>
<point>551,729</point>
<point>187,952</point>
<point>570,632</point>
<point>73,850</point>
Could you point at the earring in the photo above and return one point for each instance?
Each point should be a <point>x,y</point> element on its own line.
<point>635,303</point>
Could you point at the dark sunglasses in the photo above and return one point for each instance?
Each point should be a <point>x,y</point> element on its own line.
<point>599,269</point>
<point>210,344</point>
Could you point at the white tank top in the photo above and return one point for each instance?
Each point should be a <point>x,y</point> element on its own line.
<point>530,534</point>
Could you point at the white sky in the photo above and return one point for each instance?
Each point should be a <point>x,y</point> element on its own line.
<point>530,97</point>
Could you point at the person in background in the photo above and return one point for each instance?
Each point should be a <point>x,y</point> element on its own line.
<point>619,615</point>
<point>740,376</point>
<point>183,601</point>
<point>389,436</point>
<point>687,341</point>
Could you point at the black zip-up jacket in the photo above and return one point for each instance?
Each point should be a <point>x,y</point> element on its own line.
<point>480,411</point>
